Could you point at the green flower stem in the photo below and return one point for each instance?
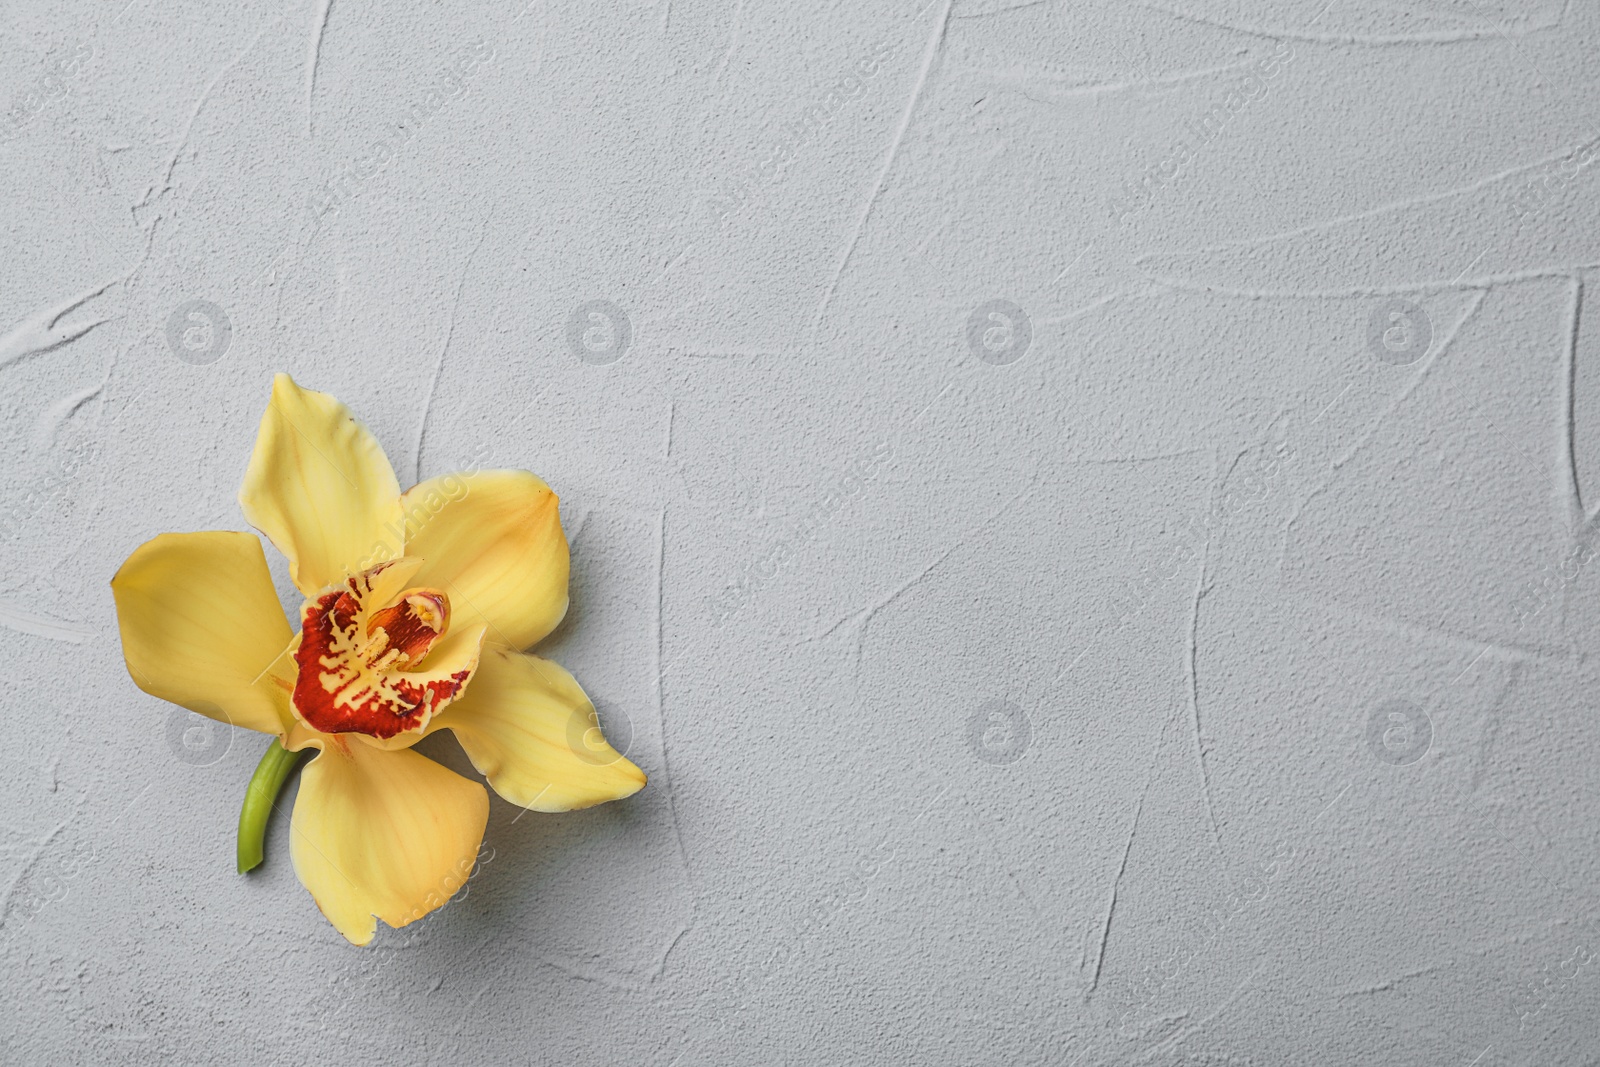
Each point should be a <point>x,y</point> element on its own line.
<point>259,796</point>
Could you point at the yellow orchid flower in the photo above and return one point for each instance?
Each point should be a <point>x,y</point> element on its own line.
<point>418,608</point>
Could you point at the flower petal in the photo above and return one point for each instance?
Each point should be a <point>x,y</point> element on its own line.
<point>201,623</point>
<point>529,728</point>
<point>390,835</point>
<point>493,541</point>
<point>321,488</point>
<point>350,675</point>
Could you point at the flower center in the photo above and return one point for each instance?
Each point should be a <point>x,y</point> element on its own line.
<point>362,654</point>
<point>403,632</point>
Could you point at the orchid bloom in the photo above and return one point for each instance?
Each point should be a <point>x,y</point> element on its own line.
<point>418,608</point>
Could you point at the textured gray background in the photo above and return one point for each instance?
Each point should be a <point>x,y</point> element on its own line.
<point>1199,675</point>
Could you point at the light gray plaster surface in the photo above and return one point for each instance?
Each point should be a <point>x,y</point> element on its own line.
<point>1082,511</point>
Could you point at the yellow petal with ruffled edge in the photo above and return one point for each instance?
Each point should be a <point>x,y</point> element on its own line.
<point>492,540</point>
<point>382,835</point>
<point>321,488</point>
<point>200,625</point>
<point>531,730</point>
